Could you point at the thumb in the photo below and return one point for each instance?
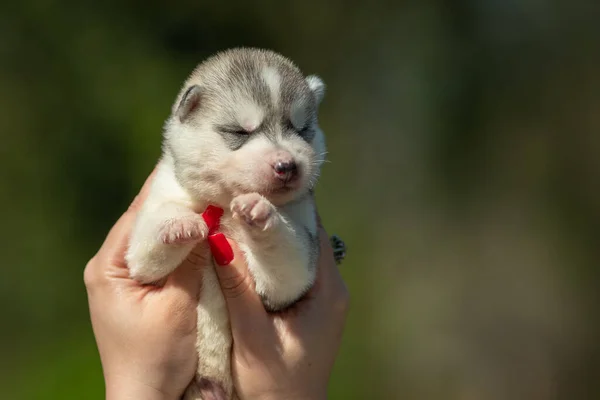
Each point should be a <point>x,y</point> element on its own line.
<point>245,307</point>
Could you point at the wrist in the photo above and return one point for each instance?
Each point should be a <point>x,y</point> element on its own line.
<point>121,388</point>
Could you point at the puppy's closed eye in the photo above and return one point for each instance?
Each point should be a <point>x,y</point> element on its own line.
<point>299,130</point>
<point>232,129</point>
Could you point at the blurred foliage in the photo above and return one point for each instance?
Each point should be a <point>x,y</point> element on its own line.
<point>464,144</point>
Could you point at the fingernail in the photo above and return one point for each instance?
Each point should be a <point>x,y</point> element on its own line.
<point>212,216</point>
<point>220,248</point>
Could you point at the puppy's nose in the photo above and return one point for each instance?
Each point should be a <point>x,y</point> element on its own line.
<point>286,170</point>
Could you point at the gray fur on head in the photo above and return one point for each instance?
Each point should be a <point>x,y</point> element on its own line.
<point>230,102</point>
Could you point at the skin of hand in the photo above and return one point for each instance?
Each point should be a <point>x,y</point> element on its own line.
<point>146,335</point>
<point>286,355</point>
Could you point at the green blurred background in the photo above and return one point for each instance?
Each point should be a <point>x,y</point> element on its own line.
<point>465,148</point>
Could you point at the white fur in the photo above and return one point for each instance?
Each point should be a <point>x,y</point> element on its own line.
<point>214,334</point>
<point>249,115</point>
<point>317,86</point>
<point>147,258</point>
<point>273,80</point>
<point>264,261</point>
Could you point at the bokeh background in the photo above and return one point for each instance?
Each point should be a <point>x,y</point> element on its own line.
<point>465,169</point>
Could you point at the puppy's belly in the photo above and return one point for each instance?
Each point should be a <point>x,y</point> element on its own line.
<point>213,378</point>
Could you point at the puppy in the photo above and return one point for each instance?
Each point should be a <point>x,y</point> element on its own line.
<point>243,135</point>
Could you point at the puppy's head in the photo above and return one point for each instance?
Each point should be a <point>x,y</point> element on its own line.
<point>246,121</point>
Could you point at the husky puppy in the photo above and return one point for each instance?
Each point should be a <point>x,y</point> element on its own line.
<point>243,135</point>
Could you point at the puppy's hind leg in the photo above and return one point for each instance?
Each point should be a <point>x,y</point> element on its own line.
<point>213,378</point>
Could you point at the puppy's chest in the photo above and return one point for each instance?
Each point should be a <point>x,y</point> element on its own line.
<point>232,227</point>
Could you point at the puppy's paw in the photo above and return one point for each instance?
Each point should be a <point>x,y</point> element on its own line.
<point>255,210</point>
<point>183,230</point>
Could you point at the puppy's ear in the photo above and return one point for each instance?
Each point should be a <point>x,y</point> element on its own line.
<point>317,86</point>
<point>189,103</point>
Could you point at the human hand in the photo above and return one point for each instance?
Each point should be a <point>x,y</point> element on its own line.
<point>288,355</point>
<point>146,335</point>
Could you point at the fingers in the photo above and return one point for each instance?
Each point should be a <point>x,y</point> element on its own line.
<point>246,311</point>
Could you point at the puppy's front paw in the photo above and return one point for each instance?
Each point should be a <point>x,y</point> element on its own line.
<point>255,210</point>
<point>183,230</point>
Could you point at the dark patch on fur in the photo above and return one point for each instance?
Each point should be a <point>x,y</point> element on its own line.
<point>233,140</point>
<point>307,132</point>
<point>245,71</point>
<point>308,135</point>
